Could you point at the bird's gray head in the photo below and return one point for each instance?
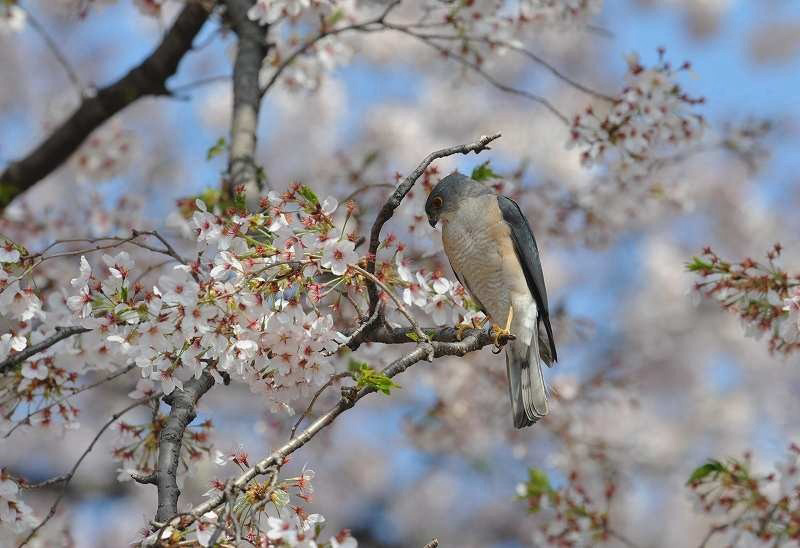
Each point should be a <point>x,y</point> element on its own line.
<point>447,195</point>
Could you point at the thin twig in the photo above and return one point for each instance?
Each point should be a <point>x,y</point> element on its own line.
<point>60,334</point>
<point>334,378</point>
<point>400,307</point>
<point>201,82</point>
<point>104,380</point>
<point>169,249</point>
<point>71,473</point>
<point>622,538</point>
<point>56,51</point>
<point>510,46</point>
<point>486,76</point>
<point>365,26</point>
<point>45,483</point>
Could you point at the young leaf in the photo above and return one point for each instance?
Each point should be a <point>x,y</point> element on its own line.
<point>710,467</point>
<point>216,149</point>
<point>365,376</point>
<point>309,195</point>
<point>484,172</point>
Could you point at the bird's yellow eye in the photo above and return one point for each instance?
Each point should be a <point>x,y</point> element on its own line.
<point>437,202</point>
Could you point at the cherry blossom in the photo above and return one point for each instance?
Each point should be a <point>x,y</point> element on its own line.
<point>338,255</point>
<point>12,19</point>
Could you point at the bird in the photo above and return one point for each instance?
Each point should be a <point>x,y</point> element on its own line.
<point>493,253</point>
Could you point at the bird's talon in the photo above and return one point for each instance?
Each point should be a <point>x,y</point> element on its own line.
<point>460,327</point>
<point>500,336</point>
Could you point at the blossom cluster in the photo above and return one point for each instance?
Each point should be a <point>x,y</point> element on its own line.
<point>12,18</point>
<point>651,114</point>
<point>15,515</point>
<point>105,154</point>
<point>760,509</point>
<point>136,448</point>
<point>765,297</point>
<point>573,516</point>
<point>254,508</point>
<point>492,19</point>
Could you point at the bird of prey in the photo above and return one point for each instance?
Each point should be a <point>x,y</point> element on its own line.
<point>493,254</point>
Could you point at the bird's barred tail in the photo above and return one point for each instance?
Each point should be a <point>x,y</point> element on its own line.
<point>525,381</point>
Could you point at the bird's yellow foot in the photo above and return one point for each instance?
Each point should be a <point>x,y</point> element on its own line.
<point>500,335</point>
<point>460,327</point>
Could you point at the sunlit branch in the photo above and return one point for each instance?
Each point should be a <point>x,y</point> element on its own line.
<point>183,411</point>
<point>251,50</point>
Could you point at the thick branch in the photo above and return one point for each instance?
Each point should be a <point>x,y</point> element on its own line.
<point>474,340</point>
<point>397,196</point>
<point>61,333</point>
<point>251,50</point>
<point>183,404</point>
<point>148,78</point>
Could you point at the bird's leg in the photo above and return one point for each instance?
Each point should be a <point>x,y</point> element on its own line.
<point>500,335</point>
<point>460,327</point>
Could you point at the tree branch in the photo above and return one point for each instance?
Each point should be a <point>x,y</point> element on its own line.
<point>147,78</point>
<point>60,334</point>
<point>397,196</point>
<point>183,412</point>
<point>250,53</point>
<point>475,340</point>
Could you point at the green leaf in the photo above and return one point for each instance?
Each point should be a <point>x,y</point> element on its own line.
<point>210,197</point>
<point>335,17</point>
<point>217,149</point>
<point>484,172</point>
<point>710,467</point>
<point>308,194</point>
<point>538,482</point>
<point>697,264</point>
<point>354,366</point>
<point>413,336</point>
<point>365,376</point>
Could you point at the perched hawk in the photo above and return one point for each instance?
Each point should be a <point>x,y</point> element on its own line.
<point>494,255</point>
